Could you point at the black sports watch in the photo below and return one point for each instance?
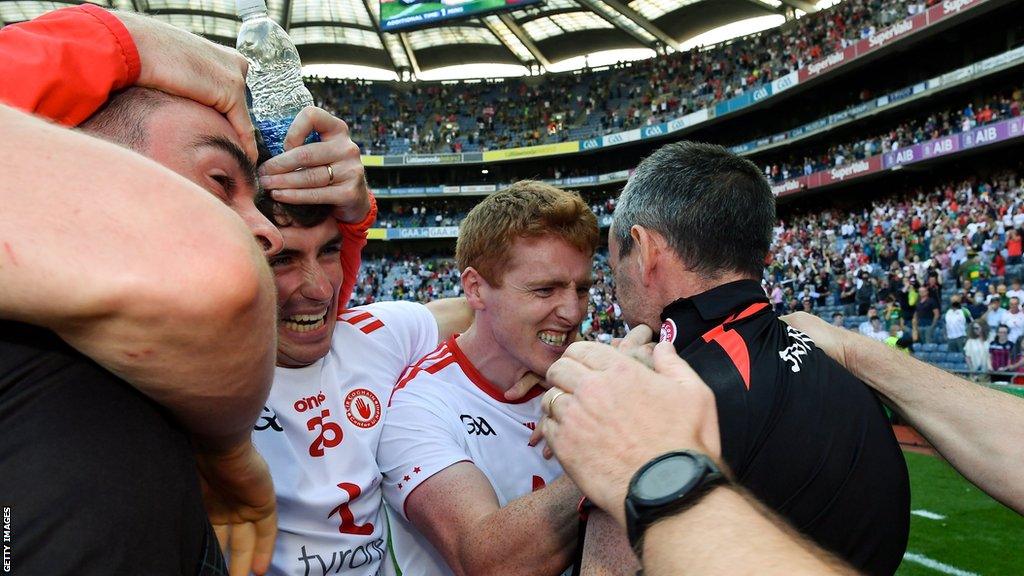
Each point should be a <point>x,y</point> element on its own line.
<point>664,486</point>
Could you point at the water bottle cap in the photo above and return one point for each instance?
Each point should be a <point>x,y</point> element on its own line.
<point>246,7</point>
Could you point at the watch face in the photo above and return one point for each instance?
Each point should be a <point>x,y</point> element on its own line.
<point>667,477</point>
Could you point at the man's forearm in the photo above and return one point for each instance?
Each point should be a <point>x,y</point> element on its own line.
<point>453,316</point>
<point>606,550</point>
<point>727,533</point>
<point>974,427</point>
<point>534,535</point>
<point>191,327</point>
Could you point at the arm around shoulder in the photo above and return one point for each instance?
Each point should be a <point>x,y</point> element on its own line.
<point>974,427</point>
<point>140,270</point>
<point>453,316</point>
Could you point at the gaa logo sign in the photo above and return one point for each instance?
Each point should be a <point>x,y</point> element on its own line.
<point>362,408</point>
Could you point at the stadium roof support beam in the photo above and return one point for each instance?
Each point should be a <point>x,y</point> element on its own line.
<point>525,39</point>
<point>506,44</point>
<point>380,34</point>
<point>808,7</point>
<point>286,15</point>
<point>782,8</point>
<point>409,53</point>
<point>637,19</point>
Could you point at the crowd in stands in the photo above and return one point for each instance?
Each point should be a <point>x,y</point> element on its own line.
<point>1008,104</point>
<point>424,279</point>
<point>935,270</point>
<point>420,212</point>
<point>398,118</point>
<point>998,107</point>
<point>938,269</point>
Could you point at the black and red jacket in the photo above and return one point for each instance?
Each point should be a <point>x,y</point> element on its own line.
<point>802,434</point>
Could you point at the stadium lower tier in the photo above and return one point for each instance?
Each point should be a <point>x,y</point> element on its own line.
<point>904,258</point>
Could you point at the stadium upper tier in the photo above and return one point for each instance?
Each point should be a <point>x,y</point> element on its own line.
<point>985,117</point>
<point>528,37</point>
<point>938,126</point>
<point>660,95</point>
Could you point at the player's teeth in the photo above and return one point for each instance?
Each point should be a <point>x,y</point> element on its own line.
<point>552,338</point>
<point>296,327</point>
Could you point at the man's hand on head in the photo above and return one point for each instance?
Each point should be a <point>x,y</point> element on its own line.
<point>184,64</point>
<point>300,175</point>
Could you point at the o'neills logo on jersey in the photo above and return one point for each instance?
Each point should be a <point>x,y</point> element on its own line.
<point>668,331</point>
<point>850,170</point>
<point>362,408</point>
<point>826,63</point>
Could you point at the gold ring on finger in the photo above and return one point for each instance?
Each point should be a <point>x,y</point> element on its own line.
<point>551,401</point>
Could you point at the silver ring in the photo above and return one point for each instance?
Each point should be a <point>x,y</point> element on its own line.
<point>330,174</point>
<point>551,403</point>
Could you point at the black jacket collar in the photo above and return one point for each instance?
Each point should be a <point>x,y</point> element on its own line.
<point>687,319</point>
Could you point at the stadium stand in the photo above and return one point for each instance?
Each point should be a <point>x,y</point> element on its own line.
<point>394,118</point>
<point>821,260</point>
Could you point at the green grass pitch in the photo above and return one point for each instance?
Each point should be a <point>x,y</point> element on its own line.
<point>977,536</point>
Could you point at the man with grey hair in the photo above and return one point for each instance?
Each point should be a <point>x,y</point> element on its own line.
<point>691,233</point>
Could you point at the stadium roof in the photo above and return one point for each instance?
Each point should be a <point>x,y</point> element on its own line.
<point>535,38</point>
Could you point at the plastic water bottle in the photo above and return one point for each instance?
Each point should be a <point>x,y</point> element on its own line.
<point>275,74</point>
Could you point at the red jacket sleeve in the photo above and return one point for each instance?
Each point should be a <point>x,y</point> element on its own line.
<point>353,239</point>
<point>64,64</point>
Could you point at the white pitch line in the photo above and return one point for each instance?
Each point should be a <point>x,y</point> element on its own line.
<point>936,565</point>
<point>928,514</point>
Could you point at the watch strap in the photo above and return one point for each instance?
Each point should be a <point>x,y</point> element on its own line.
<point>639,519</point>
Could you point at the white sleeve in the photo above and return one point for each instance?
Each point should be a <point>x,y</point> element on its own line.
<point>412,326</point>
<point>419,439</point>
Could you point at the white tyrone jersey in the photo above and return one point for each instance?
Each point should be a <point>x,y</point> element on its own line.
<point>319,434</point>
<point>442,412</point>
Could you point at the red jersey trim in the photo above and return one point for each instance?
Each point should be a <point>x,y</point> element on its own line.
<point>372,327</point>
<point>440,357</point>
<point>483,383</point>
<point>360,317</point>
<point>733,343</point>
